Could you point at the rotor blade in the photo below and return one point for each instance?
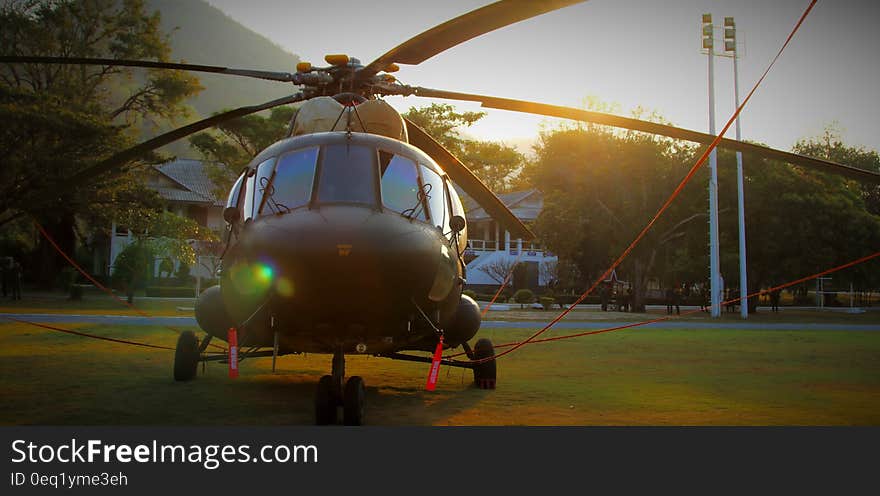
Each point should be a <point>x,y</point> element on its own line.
<point>148,64</point>
<point>467,181</point>
<point>653,128</point>
<point>463,28</point>
<point>137,151</point>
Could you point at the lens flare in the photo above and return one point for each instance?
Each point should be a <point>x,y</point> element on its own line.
<point>284,286</point>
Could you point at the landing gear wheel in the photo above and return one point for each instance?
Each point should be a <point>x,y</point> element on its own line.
<point>186,356</point>
<point>325,402</point>
<point>353,401</point>
<point>484,373</point>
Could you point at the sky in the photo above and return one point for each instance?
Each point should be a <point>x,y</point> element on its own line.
<point>624,53</point>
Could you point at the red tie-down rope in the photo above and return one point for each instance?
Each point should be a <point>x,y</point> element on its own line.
<point>690,312</point>
<point>668,202</point>
<point>98,284</point>
<point>504,284</point>
<point>87,335</point>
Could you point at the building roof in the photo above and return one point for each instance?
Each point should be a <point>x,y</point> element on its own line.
<point>194,184</point>
<point>515,201</point>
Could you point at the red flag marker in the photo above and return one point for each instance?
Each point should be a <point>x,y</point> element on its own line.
<point>435,366</point>
<point>232,338</point>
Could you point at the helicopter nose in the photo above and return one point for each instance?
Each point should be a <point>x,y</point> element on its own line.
<point>340,252</point>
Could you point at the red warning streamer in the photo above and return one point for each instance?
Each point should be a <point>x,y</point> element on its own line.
<point>435,366</point>
<point>232,339</point>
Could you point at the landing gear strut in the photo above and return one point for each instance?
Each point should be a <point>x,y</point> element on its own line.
<point>333,391</point>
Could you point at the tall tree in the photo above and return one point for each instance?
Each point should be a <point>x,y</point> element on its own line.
<point>601,188</point>
<point>60,119</point>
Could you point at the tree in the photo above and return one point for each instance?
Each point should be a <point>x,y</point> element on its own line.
<point>156,233</point>
<point>236,142</point>
<point>60,119</point>
<point>601,188</point>
<point>830,146</point>
<point>500,269</point>
<point>494,163</point>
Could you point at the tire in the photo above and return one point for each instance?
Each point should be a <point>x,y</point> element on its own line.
<point>186,356</point>
<point>484,373</point>
<point>353,401</point>
<point>325,402</point>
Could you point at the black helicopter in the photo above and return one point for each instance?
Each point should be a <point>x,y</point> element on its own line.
<point>346,237</point>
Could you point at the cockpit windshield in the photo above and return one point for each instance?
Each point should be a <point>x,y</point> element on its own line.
<point>348,175</point>
<point>343,173</point>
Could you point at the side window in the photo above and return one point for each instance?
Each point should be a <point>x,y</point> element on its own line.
<point>235,192</point>
<point>400,186</point>
<point>292,185</point>
<point>248,205</point>
<point>348,173</point>
<point>435,193</point>
<point>261,181</point>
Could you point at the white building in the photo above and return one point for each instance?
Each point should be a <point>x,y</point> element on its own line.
<point>189,193</point>
<point>492,253</point>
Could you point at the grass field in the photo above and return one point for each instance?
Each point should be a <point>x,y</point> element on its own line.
<point>633,377</point>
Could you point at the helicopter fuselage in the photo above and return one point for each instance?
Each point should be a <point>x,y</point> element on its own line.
<point>343,241</point>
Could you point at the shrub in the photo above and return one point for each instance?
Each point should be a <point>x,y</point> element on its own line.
<point>470,293</point>
<point>171,291</point>
<point>547,302</point>
<point>524,296</point>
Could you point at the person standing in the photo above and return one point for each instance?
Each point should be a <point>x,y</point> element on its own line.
<point>774,300</point>
<point>16,280</point>
<point>670,296</point>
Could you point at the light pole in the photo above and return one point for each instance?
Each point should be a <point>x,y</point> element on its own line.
<point>730,46</point>
<point>714,258</point>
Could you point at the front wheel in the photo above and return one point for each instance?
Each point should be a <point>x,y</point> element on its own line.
<point>484,373</point>
<point>186,357</point>
<point>325,402</point>
<point>353,401</point>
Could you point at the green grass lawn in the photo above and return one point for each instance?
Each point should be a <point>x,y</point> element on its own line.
<point>633,377</point>
<point>95,304</point>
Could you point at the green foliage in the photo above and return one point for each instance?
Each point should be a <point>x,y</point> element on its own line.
<point>547,302</point>
<point>524,296</point>
<point>133,263</point>
<point>59,120</point>
<point>470,293</point>
<point>170,291</point>
<point>601,188</point>
<point>232,146</point>
<point>494,163</point>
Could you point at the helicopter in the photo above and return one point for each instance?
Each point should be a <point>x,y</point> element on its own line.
<point>347,236</point>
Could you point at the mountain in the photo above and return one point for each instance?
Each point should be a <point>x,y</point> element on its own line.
<point>203,34</point>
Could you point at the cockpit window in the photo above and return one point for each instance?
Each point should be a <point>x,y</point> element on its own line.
<point>400,186</point>
<point>347,175</point>
<point>260,185</point>
<point>235,192</point>
<point>436,196</point>
<point>291,185</point>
